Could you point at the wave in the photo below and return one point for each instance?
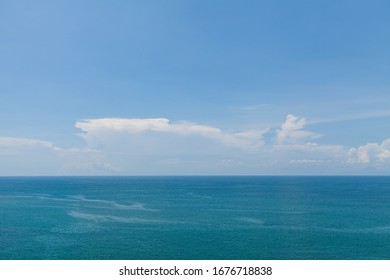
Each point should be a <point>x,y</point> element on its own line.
<point>250,220</point>
<point>258,211</point>
<point>38,196</point>
<point>135,206</point>
<point>366,230</point>
<point>111,218</point>
<point>18,196</point>
<point>376,230</point>
<point>54,198</point>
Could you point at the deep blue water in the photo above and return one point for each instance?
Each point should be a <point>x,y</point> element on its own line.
<point>195,218</point>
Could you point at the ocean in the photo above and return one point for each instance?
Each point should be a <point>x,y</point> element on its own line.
<point>194,218</point>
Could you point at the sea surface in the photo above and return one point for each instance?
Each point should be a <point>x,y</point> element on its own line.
<point>190,218</point>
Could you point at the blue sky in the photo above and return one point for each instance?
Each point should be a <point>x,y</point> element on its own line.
<point>194,87</point>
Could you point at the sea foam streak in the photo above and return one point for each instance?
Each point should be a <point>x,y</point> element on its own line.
<point>113,204</point>
<point>111,218</point>
<point>250,220</point>
<point>195,218</point>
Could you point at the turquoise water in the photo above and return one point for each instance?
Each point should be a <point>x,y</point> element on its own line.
<point>195,218</point>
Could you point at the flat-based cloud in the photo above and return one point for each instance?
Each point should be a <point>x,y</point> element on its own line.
<point>96,128</point>
<point>377,153</point>
<point>157,146</point>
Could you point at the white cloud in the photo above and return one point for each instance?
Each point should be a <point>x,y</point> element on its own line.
<point>11,142</point>
<point>159,147</point>
<point>291,131</point>
<point>376,153</point>
<point>142,125</point>
<point>38,157</point>
<point>96,128</point>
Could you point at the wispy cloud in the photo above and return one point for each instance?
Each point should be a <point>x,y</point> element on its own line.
<point>13,142</point>
<point>291,131</point>
<point>39,157</point>
<point>353,117</point>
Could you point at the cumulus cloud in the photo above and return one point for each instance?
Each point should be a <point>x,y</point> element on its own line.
<point>156,146</point>
<point>291,131</point>
<point>95,128</point>
<point>141,144</point>
<point>371,153</point>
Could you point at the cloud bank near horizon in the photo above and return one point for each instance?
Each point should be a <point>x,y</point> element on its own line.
<point>156,146</point>
<point>97,128</point>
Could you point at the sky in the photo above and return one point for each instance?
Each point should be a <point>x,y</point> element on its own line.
<point>194,87</point>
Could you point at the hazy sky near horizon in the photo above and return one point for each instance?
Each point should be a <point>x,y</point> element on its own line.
<point>194,87</point>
